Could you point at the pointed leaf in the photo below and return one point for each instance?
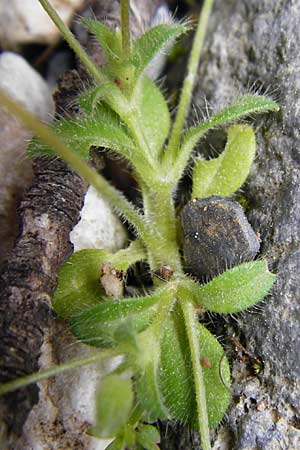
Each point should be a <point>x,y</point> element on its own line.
<point>100,325</point>
<point>153,113</point>
<point>114,400</point>
<point>78,283</point>
<point>109,40</point>
<point>152,42</point>
<point>226,174</point>
<point>246,105</point>
<point>102,129</point>
<point>236,289</point>
<point>93,96</point>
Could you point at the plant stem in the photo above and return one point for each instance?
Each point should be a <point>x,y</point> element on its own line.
<point>186,94</point>
<point>159,209</point>
<point>56,370</point>
<point>90,175</point>
<point>193,337</point>
<point>72,41</point>
<point>125,28</point>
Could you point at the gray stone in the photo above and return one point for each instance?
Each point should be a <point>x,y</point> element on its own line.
<point>217,236</point>
<point>257,43</point>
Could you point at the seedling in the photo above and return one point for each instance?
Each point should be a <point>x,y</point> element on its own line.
<point>173,367</point>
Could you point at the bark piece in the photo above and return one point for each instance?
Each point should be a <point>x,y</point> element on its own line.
<point>47,214</point>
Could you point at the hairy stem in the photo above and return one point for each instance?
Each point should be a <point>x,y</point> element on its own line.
<point>188,84</point>
<point>90,175</point>
<point>125,27</point>
<point>72,41</point>
<point>55,370</point>
<point>159,209</point>
<point>193,337</point>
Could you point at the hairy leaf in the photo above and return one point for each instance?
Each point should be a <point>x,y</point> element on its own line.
<point>109,40</point>
<point>89,99</point>
<point>224,175</point>
<point>103,129</point>
<point>175,374</point>
<point>100,325</point>
<point>246,105</point>
<point>176,377</point>
<point>78,282</point>
<point>153,113</point>
<point>114,400</point>
<point>147,382</point>
<point>216,374</point>
<point>152,42</point>
<point>236,289</point>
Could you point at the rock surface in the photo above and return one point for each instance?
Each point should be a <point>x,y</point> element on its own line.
<point>25,22</point>
<point>256,43</point>
<point>98,227</point>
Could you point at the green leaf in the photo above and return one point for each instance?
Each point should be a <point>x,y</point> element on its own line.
<point>78,283</point>
<point>226,174</point>
<point>117,444</point>
<point>89,99</point>
<point>148,436</point>
<point>103,129</point>
<point>216,386</point>
<point>176,374</point>
<point>100,325</point>
<point>152,42</point>
<point>109,40</point>
<point>236,289</point>
<point>246,105</point>
<point>153,114</point>
<point>114,400</point>
<point>147,380</point>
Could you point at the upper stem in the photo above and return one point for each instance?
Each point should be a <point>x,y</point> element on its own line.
<point>125,27</point>
<point>72,41</point>
<point>55,370</point>
<point>187,89</point>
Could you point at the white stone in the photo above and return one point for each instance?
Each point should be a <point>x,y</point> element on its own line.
<point>98,227</point>
<point>19,80</point>
<point>25,21</point>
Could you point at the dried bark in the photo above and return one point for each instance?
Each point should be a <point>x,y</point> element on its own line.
<point>48,212</point>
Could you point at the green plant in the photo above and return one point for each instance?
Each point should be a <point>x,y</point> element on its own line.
<point>173,367</point>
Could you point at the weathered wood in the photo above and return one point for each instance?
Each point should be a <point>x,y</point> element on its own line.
<point>47,213</point>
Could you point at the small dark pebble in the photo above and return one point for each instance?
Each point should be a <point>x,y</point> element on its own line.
<point>217,236</point>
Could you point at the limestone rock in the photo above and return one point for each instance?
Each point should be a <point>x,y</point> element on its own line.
<point>256,43</point>
<point>25,21</point>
